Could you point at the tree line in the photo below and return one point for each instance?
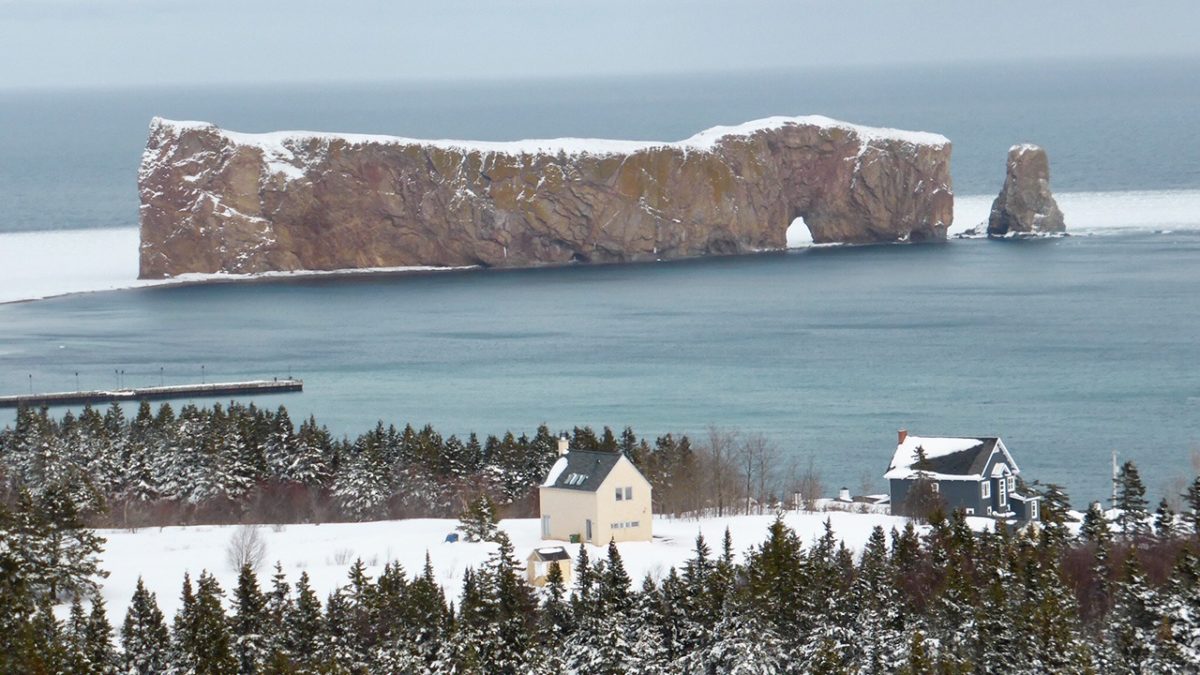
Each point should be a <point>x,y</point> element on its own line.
<point>241,463</point>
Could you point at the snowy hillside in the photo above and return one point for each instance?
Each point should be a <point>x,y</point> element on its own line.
<point>161,556</point>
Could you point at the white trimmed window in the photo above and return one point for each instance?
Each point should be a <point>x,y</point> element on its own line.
<point>985,490</point>
<point>970,511</point>
<point>1033,510</point>
<point>620,494</point>
<point>935,487</point>
<point>1012,483</point>
<point>629,493</point>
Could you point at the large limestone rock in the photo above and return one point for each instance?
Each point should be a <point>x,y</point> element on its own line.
<point>1025,205</point>
<point>215,201</point>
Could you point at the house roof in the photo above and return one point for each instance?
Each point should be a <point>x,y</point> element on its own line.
<point>947,458</point>
<point>550,554</point>
<point>583,470</point>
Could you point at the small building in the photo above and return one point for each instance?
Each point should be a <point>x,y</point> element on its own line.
<point>977,475</point>
<point>537,565</point>
<point>593,497</point>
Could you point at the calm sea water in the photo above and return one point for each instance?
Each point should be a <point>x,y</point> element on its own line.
<point>1069,349</point>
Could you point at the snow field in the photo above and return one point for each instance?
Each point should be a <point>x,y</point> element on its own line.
<point>162,555</point>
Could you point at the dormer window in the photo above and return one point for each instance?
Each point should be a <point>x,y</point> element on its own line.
<point>1012,483</point>
<point>985,489</point>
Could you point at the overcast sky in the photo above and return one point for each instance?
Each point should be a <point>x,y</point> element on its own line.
<point>67,43</point>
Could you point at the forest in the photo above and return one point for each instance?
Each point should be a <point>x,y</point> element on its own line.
<point>1114,591</point>
<point>236,464</point>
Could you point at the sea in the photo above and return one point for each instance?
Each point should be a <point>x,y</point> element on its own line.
<point>1070,349</point>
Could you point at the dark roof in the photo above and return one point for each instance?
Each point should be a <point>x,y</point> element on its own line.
<point>948,458</point>
<point>551,553</point>
<point>971,461</point>
<point>585,470</point>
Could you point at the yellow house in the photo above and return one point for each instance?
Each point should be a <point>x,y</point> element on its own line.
<point>537,565</point>
<point>594,497</point>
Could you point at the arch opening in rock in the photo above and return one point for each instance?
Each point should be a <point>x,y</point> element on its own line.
<point>798,234</point>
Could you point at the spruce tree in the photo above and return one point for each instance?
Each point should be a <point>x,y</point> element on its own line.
<point>304,624</point>
<point>1131,503</point>
<point>248,624</point>
<point>144,635</point>
<point>478,522</point>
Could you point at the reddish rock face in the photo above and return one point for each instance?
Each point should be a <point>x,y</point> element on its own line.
<point>1025,205</point>
<point>214,201</point>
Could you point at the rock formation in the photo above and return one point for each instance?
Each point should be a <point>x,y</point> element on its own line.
<point>1025,205</point>
<point>215,201</point>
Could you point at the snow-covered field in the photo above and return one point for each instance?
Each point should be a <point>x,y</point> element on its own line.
<point>45,264</point>
<point>161,556</point>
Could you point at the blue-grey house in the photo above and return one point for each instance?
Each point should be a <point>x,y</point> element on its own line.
<point>977,475</point>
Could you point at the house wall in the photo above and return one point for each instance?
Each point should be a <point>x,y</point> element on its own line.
<point>569,510</point>
<point>638,509</point>
<point>958,494</point>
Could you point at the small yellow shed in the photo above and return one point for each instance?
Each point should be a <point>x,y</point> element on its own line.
<point>539,561</point>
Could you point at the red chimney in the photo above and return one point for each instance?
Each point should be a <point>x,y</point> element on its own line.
<point>902,434</point>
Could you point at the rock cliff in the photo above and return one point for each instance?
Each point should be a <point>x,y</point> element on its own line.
<point>1025,205</point>
<point>215,201</point>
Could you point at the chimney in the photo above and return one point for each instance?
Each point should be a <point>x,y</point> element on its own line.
<point>564,445</point>
<point>844,495</point>
<point>901,435</point>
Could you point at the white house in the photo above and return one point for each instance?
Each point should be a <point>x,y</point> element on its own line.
<point>593,497</point>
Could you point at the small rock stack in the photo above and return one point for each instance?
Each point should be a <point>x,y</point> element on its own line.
<point>1025,205</point>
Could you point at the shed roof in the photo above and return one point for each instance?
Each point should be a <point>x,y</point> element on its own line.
<point>550,554</point>
<point>583,470</point>
<point>948,458</point>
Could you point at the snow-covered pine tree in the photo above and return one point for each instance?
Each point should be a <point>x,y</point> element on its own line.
<point>304,625</point>
<point>210,647</point>
<point>1131,503</point>
<point>248,624</point>
<point>144,635</point>
<point>478,521</point>
<point>879,623</point>
<point>280,448</point>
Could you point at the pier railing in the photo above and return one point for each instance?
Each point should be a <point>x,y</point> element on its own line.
<point>275,386</point>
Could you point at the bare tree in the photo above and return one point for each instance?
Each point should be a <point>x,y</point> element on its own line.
<point>758,458</point>
<point>718,454</point>
<point>246,547</point>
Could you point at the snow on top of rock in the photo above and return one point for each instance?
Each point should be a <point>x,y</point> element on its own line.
<point>280,157</point>
<point>555,471</point>
<point>905,459</point>
<point>1025,147</point>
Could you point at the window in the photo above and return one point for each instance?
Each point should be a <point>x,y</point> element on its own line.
<point>634,523</point>
<point>629,493</point>
<point>1033,510</point>
<point>620,494</point>
<point>970,511</point>
<point>934,486</point>
<point>1012,483</point>
<point>985,490</point>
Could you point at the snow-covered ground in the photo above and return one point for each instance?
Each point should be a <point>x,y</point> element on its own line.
<point>45,264</point>
<point>161,555</point>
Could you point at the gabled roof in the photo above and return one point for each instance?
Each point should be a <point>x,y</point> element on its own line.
<point>550,554</point>
<point>581,470</point>
<point>948,458</point>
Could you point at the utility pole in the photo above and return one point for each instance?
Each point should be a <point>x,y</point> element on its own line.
<point>202,380</point>
<point>161,381</point>
<point>31,384</point>
<point>1114,479</point>
<point>77,380</point>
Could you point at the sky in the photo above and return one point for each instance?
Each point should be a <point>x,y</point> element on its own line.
<point>105,43</point>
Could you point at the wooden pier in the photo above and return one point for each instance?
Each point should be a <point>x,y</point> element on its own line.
<point>276,386</point>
